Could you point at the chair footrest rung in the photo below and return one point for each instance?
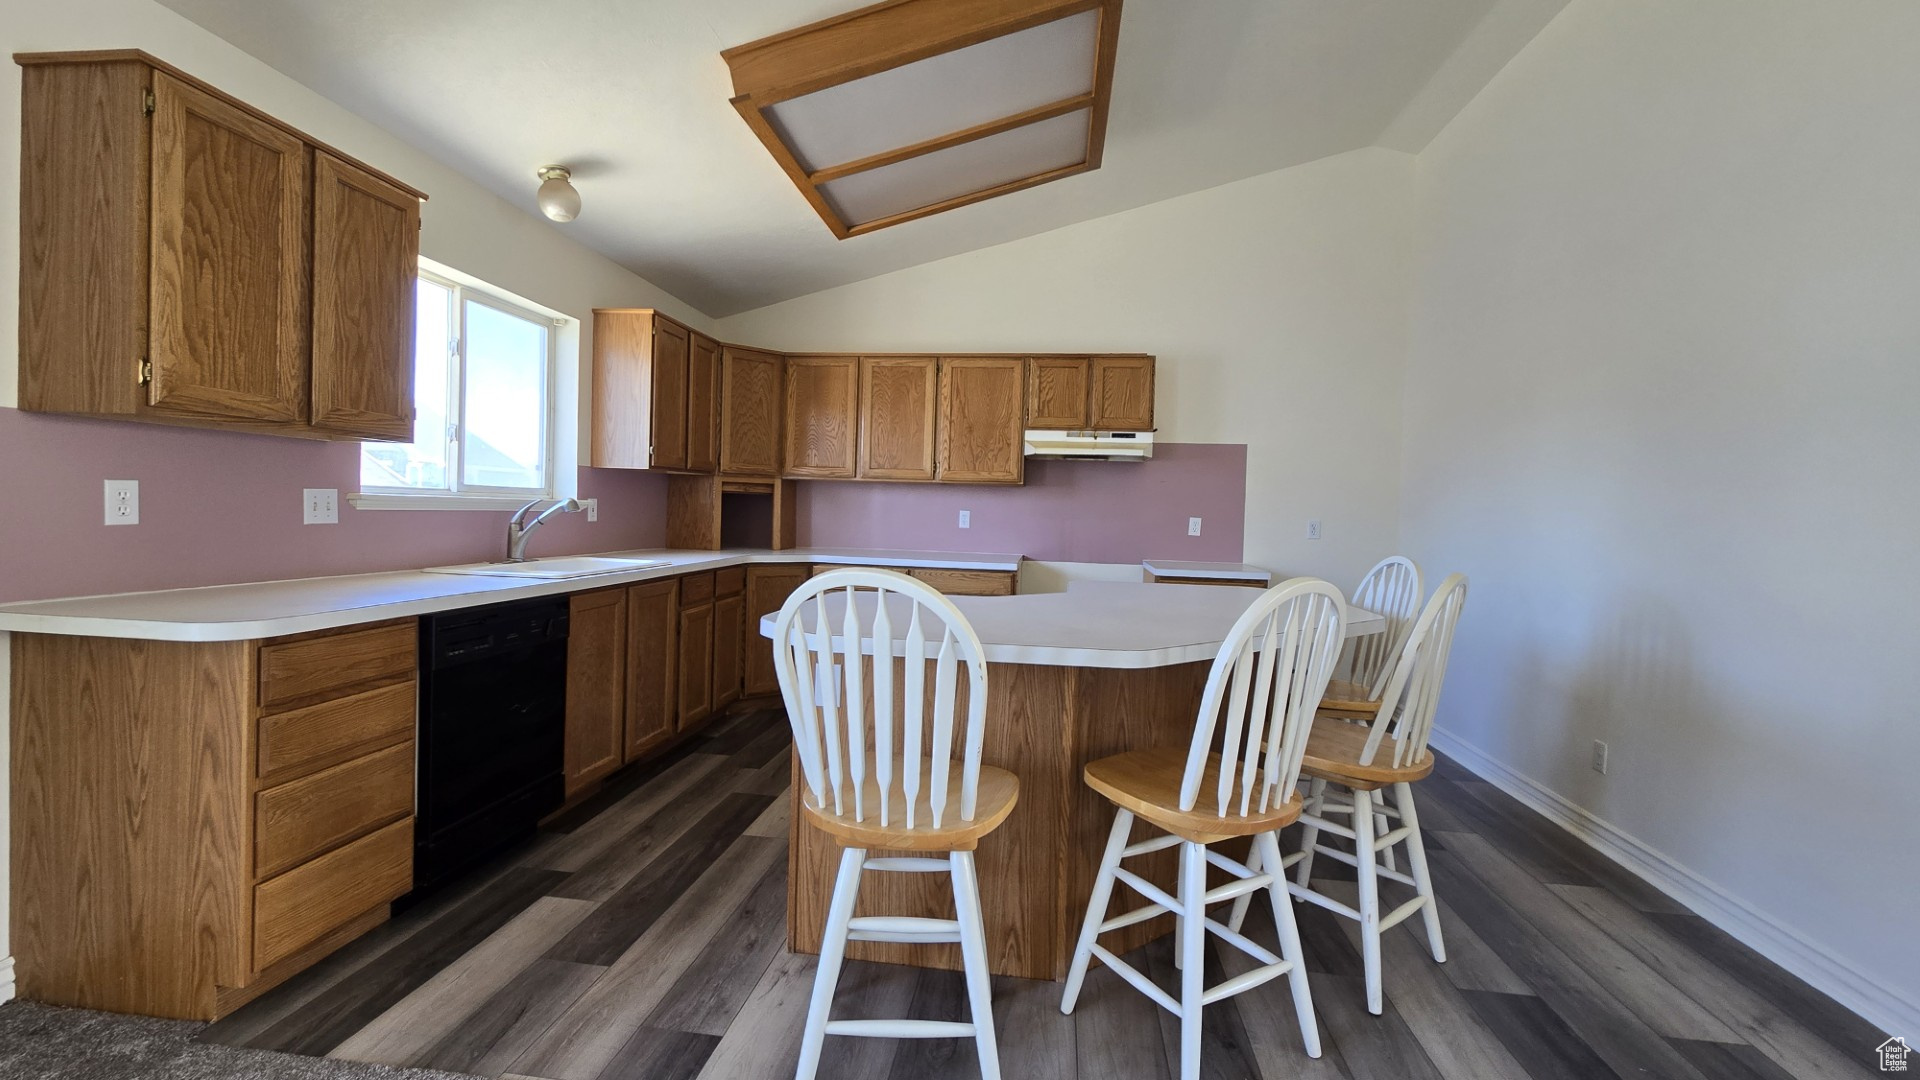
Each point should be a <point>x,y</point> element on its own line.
<point>1140,982</point>
<point>1391,838</point>
<point>1245,981</point>
<point>1152,843</point>
<point>901,1029</point>
<point>1394,917</point>
<point>902,924</point>
<point>900,864</point>
<point>1301,892</point>
<point>1137,915</point>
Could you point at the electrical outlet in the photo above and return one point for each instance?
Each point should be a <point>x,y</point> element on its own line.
<point>1313,529</point>
<point>321,505</point>
<point>1193,526</point>
<point>966,519</point>
<point>1599,757</point>
<point>592,507</point>
<point>123,502</point>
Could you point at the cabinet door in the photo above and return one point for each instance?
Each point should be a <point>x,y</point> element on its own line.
<point>822,398</point>
<point>749,413</point>
<point>897,416</point>
<point>596,685</point>
<point>1057,393</point>
<point>1121,398</point>
<point>703,403</point>
<point>982,409</point>
<point>696,665</point>
<point>669,399</point>
<point>652,617</point>
<point>229,287</point>
<point>366,256</point>
<point>729,623</point>
<point>767,588</point>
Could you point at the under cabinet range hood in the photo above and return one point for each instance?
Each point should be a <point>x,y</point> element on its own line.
<point>1091,445</point>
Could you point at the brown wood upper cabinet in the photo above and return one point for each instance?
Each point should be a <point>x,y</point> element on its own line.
<point>820,418</point>
<point>642,380</point>
<point>982,413</point>
<point>1097,393</point>
<point>897,400</point>
<point>187,259</point>
<point>703,404</point>
<point>749,412</point>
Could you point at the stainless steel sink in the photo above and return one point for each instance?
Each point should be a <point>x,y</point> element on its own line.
<point>559,568</point>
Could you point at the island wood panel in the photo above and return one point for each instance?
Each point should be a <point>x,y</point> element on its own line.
<point>596,686</point>
<point>1057,393</point>
<point>703,403</point>
<point>229,310</point>
<point>967,582</point>
<point>653,611</point>
<point>982,417</point>
<point>897,407</point>
<point>1043,724</point>
<point>366,257</point>
<point>820,417</point>
<point>768,587</point>
<point>297,820</point>
<point>749,412</point>
<point>131,889</point>
<point>1120,397</point>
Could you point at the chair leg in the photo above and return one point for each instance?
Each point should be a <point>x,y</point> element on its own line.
<point>1417,859</point>
<point>833,949</point>
<point>1309,832</point>
<point>1096,908</point>
<point>973,956</point>
<point>1381,827</point>
<point>1242,902</point>
<point>1267,847</point>
<point>1192,939</point>
<point>1364,856</point>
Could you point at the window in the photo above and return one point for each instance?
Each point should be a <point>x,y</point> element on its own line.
<point>482,392</point>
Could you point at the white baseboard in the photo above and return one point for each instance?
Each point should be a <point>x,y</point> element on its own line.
<point>1772,939</point>
<point>6,980</point>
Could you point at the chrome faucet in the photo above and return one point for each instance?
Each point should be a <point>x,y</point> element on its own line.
<point>519,528</point>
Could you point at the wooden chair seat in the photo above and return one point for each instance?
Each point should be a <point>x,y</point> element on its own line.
<point>1333,753</point>
<point>1348,701</point>
<point>1147,782</point>
<point>998,792</point>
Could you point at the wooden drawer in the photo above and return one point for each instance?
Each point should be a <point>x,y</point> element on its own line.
<point>696,589</point>
<point>302,905</point>
<point>292,743</point>
<point>730,582</point>
<point>328,666</point>
<point>967,582</point>
<point>306,817</point>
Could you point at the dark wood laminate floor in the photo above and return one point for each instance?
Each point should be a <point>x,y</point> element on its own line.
<point>641,937</point>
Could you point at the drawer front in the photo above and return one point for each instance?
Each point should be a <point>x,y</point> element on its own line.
<point>306,817</point>
<point>292,743</point>
<point>696,589</point>
<point>304,904</point>
<point>730,582</point>
<point>328,666</point>
<point>968,582</point>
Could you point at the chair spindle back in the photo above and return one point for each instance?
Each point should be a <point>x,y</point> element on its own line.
<point>1412,692</point>
<point>1392,589</point>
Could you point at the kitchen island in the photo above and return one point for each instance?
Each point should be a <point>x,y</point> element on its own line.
<point>1073,676</point>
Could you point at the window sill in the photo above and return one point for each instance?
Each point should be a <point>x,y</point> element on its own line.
<point>388,500</point>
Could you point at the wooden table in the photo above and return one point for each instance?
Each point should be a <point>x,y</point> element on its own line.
<point>1072,677</point>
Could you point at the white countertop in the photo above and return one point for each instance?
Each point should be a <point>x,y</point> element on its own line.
<point>273,608</point>
<point>1211,571</point>
<point>1106,624</point>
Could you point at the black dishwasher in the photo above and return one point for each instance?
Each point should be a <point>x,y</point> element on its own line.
<point>493,694</point>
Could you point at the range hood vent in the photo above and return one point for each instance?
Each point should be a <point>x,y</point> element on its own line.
<point>1091,445</point>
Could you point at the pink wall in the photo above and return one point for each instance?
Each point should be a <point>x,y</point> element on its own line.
<point>1076,511</point>
<point>218,508</point>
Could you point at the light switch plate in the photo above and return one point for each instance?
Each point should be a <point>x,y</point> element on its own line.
<point>322,506</point>
<point>123,502</point>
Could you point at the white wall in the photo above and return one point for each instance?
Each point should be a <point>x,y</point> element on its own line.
<point>1661,406</point>
<point>1276,306</point>
<point>464,226</point>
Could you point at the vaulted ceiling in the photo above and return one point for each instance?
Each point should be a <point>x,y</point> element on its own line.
<point>633,95</point>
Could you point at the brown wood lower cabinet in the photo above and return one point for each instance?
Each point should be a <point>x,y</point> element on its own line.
<point>652,628</point>
<point>274,791</point>
<point>767,588</point>
<point>967,582</point>
<point>696,665</point>
<point>596,686</point>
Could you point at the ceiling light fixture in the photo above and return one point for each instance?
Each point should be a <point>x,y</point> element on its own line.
<point>558,200</point>
<point>912,107</point>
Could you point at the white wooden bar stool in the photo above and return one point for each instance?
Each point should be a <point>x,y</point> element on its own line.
<point>879,775</point>
<point>1350,757</point>
<point>1391,589</point>
<point>1265,684</point>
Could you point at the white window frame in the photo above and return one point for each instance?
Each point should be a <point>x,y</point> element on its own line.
<point>459,495</point>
